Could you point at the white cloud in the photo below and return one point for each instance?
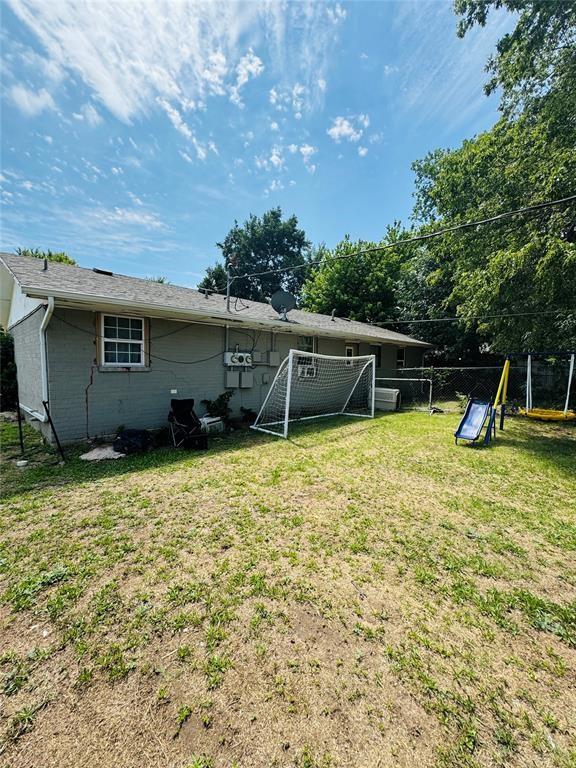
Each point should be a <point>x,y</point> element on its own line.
<point>376,138</point>
<point>176,119</point>
<point>348,128</point>
<point>296,98</point>
<point>274,126</point>
<point>130,54</point>
<point>31,103</point>
<point>336,14</point>
<point>293,148</point>
<point>276,159</point>
<point>126,216</point>
<point>307,151</point>
<point>362,151</point>
<point>249,67</point>
<point>89,114</point>
<point>117,171</point>
<point>390,69</point>
<point>321,84</point>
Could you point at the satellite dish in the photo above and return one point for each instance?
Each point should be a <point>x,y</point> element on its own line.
<point>282,302</point>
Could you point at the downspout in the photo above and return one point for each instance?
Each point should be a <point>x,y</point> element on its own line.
<point>43,417</point>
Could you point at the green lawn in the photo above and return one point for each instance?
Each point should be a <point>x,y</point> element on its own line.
<point>366,594</point>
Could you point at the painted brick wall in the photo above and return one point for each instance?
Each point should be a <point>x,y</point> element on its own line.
<point>87,400</point>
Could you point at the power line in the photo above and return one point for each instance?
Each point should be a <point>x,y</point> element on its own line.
<point>390,320</point>
<point>416,238</point>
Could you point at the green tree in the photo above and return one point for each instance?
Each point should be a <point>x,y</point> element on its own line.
<point>517,266</point>
<point>521,265</point>
<point>535,64</point>
<point>215,279</point>
<point>37,253</point>
<point>262,244</point>
<point>361,287</point>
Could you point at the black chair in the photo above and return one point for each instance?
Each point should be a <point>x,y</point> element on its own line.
<point>185,426</point>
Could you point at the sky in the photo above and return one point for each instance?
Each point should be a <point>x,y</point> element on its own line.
<point>135,133</point>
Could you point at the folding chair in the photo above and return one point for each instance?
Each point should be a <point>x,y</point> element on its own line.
<point>185,426</point>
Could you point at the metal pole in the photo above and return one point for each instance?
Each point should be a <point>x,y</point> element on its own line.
<point>45,404</point>
<point>571,373</point>
<point>373,384</point>
<point>227,287</point>
<point>288,390</point>
<point>20,433</point>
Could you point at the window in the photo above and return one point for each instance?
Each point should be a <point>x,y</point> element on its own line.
<point>400,357</point>
<point>306,366</point>
<point>122,340</point>
<point>376,350</point>
<point>306,343</point>
<point>351,351</point>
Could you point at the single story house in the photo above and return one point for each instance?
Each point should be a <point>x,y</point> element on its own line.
<point>106,350</point>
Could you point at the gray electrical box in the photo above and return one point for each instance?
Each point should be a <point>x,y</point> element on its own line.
<point>232,379</point>
<point>274,358</point>
<point>246,379</point>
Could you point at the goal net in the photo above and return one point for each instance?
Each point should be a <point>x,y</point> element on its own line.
<point>311,386</point>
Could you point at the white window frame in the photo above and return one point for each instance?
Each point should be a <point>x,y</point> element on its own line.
<point>141,342</point>
<point>400,363</point>
<point>353,348</point>
<point>306,369</point>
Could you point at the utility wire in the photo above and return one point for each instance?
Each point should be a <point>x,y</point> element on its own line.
<point>416,238</point>
<point>390,320</point>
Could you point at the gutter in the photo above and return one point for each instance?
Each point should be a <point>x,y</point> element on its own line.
<point>43,417</point>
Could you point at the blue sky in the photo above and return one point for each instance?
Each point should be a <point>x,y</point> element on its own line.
<point>135,133</point>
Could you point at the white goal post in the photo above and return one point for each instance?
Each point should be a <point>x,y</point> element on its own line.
<point>312,386</point>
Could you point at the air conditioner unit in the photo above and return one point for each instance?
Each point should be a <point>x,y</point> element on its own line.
<point>386,399</point>
<point>307,371</point>
<point>238,358</point>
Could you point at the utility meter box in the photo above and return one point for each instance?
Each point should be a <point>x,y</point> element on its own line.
<point>232,379</point>
<point>238,358</point>
<point>246,379</point>
<point>273,358</point>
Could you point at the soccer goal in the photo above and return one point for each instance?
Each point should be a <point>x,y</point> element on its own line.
<point>311,386</point>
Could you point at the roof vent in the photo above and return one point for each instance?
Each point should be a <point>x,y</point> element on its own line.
<point>102,272</point>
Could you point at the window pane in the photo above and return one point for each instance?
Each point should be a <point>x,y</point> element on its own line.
<point>123,333</point>
<point>306,343</point>
<point>109,321</point>
<point>135,357</point>
<point>136,333</point>
<point>109,357</point>
<point>122,347</point>
<point>123,357</point>
<point>123,322</point>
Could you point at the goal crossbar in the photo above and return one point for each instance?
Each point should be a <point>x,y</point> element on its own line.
<point>311,386</point>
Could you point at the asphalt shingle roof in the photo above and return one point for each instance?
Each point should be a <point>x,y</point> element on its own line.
<point>66,281</point>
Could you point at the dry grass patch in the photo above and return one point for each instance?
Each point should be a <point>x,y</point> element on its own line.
<point>365,594</point>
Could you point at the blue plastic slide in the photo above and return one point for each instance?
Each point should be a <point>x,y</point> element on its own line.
<point>472,423</point>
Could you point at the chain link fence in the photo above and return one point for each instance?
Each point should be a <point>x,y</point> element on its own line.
<point>448,389</point>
